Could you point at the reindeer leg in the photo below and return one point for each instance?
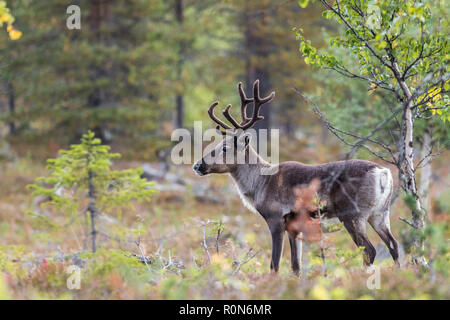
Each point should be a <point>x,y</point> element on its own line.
<point>357,229</point>
<point>380,223</point>
<point>296,252</point>
<point>276,227</point>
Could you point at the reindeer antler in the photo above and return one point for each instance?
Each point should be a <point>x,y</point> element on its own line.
<point>215,119</point>
<point>245,122</point>
<point>258,103</point>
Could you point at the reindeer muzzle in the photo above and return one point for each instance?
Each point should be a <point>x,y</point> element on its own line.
<point>199,168</point>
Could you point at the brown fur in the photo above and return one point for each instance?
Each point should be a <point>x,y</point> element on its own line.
<point>287,199</point>
<point>355,191</point>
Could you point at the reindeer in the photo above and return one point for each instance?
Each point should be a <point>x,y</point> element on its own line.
<point>355,191</point>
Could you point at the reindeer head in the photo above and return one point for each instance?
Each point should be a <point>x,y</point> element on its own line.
<point>233,150</point>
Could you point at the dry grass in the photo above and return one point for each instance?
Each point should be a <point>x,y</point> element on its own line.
<point>34,255</point>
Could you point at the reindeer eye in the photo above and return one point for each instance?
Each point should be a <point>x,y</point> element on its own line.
<point>224,148</point>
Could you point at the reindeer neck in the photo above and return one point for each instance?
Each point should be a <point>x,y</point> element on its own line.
<point>248,176</point>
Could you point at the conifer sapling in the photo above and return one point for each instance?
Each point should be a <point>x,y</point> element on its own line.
<point>81,181</point>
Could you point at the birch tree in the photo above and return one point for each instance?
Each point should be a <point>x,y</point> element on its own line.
<point>401,48</point>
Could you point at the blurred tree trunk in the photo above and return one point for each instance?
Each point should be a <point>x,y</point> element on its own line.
<point>290,132</point>
<point>426,171</point>
<point>179,12</point>
<point>324,134</point>
<point>257,50</point>
<point>97,97</point>
<point>12,107</point>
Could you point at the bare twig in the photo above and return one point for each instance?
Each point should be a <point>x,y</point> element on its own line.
<point>361,140</point>
<point>425,160</point>
<point>217,239</point>
<point>408,222</point>
<point>138,243</point>
<point>322,250</point>
<point>248,256</point>
<point>205,246</point>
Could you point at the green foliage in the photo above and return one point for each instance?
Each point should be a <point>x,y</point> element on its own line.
<point>401,50</point>
<point>107,75</point>
<point>8,18</point>
<point>303,3</point>
<point>443,202</point>
<point>9,254</point>
<point>42,222</point>
<point>438,247</point>
<point>218,226</point>
<point>104,262</point>
<point>84,172</point>
<point>120,72</point>
<point>377,34</point>
<point>411,202</point>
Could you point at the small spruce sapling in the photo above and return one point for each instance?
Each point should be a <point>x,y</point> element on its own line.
<point>81,180</point>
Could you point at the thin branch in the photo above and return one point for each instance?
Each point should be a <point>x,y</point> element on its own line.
<point>347,73</point>
<point>361,140</point>
<point>352,29</point>
<point>138,243</point>
<point>247,258</point>
<point>428,156</point>
<point>408,222</point>
<point>405,73</point>
<point>205,246</point>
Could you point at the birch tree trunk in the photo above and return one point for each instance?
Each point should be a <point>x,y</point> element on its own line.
<point>418,217</point>
<point>407,160</point>
<point>426,171</point>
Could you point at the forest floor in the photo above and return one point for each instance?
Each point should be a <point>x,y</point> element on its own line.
<point>41,253</point>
